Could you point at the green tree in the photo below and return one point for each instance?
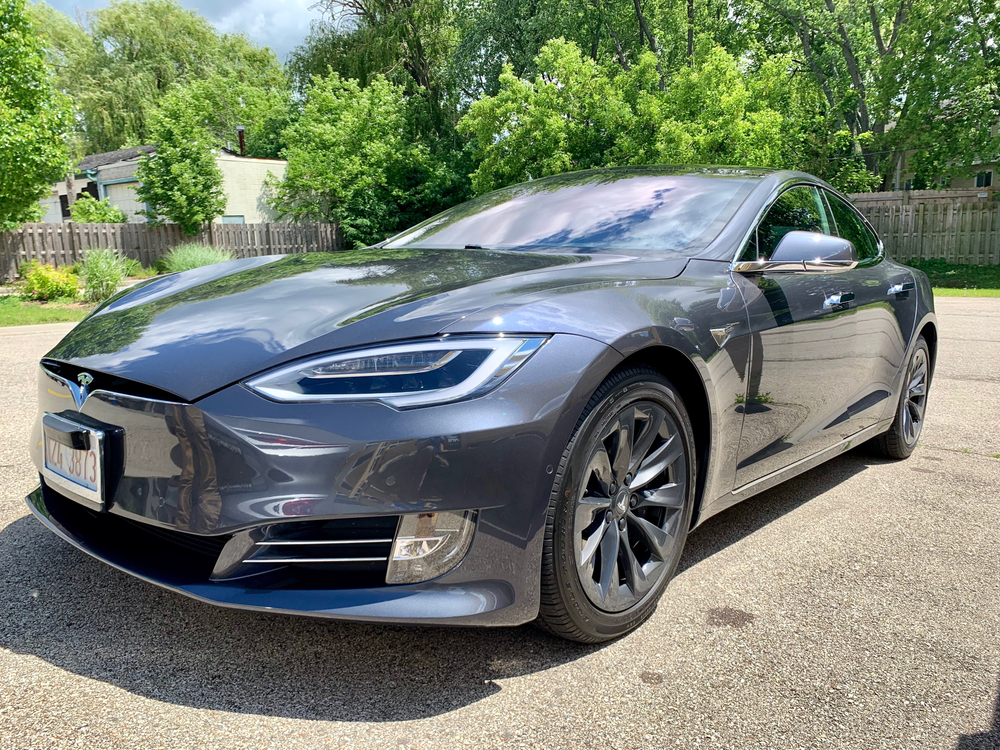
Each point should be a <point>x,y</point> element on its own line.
<point>350,162</point>
<point>575,115</point>
<point>180,180</point>
<point>34,119</point>
<point>416,37</point>
<point>941,84</point>
<point>248,88</point>
<point>138,50</point>
<point>566,119</point>
<point>66,43</point>
<point>88,210</point>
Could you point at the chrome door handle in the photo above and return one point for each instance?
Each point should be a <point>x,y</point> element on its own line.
<point>837,299</point>
<point>906,286</point>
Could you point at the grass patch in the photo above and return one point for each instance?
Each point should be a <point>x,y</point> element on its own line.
<point>16,312</point>
<point>960,278</point>
<point>946,292</point>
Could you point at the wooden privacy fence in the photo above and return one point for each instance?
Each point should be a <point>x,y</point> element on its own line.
<point>65,244</point>
<point>955,232</point>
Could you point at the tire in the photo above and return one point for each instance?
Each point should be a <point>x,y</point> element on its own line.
<point>901,438</point>
<point>641,525</point>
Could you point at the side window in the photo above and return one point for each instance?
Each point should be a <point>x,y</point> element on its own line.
<point>850,227</point>
<point>800,208</point>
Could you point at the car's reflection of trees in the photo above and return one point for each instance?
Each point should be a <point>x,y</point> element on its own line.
<point>550,184</point>
<point>424,272</point>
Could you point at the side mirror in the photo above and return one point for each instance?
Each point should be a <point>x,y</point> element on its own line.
<point>805,251</point>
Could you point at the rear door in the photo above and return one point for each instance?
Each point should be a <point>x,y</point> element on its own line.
<point>805,362</point>
<point>885,312</point>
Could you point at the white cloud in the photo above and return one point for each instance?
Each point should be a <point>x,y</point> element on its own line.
<point>278,24</point>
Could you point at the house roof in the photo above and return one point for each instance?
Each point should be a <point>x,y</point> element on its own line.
<point>113,157</point>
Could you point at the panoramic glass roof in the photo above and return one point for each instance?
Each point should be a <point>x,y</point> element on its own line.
<point>659,210</point>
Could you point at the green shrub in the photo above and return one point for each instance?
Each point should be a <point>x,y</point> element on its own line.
<point>88,210</point>
<point>135,269</point>
<point>44,283</point>
<point>192,255</point>
<point>27,267</point>
<point>103,273</point>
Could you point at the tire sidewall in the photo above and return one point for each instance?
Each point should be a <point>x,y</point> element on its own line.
<point>598,624</point>
<point>897,425</point>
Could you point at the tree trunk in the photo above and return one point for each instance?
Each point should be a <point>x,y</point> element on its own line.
<point>70,190</point>
<point>644,28</point>
<point>618,46</point>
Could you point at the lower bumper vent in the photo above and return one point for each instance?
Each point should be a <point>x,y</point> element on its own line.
<point>343,544</point>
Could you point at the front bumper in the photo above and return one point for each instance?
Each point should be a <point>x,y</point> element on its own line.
<point>147,556</point>
<point>202,472</point>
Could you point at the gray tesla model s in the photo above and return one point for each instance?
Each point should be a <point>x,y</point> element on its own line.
<point>516,410</point>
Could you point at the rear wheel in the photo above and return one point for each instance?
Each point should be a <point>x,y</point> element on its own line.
<point>620,509</point>
<point>901,439</point>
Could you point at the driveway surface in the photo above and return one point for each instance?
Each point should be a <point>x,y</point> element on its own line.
<point>857,606</point>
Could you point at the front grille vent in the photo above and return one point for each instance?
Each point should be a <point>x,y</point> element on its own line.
<point>345,544</point>
<point>207,546</point>
<point>105,382</point>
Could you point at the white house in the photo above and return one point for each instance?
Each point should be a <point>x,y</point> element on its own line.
<point>111,175</point>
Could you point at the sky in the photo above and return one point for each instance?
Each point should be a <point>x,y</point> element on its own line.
<point>278,24</point>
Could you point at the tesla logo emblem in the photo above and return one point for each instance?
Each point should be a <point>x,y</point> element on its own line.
<point>80,392</point>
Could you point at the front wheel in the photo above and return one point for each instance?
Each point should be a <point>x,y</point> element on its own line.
<point>620,509</point>
<point>901,438</point>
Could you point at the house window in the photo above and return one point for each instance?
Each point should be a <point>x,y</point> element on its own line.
<point>88,189</point>
<point>984,179</point>
<point>233,220</point>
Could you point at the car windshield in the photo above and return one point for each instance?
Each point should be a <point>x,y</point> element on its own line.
<point>673,214</point>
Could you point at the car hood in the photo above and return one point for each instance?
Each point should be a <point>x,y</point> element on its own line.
<point>195,332</point>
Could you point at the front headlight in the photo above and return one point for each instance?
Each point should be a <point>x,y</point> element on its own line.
<point>416,374</point>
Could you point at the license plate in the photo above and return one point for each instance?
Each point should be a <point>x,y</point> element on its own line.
<point>77,471</point>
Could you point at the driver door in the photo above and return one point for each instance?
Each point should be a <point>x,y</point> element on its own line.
<point>805,359</point>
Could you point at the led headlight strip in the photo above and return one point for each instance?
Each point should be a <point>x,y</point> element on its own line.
<point>433,371</point>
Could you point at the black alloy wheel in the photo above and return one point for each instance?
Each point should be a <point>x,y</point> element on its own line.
<point>620,509</point>
<point>901,438</point>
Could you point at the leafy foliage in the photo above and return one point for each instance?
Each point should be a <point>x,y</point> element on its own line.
<point>137,51</point>
<point>44,282</point>
<point>34,119</point>
<point>350,162</point>
<point>247,88</point>
<point>180,180</point>
<point>88,210</point>
<point>406,106</point>
<point>192,255</point>
<point>103,272</point>
<point>574,115</point>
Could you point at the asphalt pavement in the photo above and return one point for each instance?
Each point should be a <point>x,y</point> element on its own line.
<point>856,606</point>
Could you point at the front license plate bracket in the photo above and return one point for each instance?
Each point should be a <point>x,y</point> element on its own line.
<point>74,460</point>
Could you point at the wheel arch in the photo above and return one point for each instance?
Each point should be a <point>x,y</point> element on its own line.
<point>930,333</point>
<point>678,368</point>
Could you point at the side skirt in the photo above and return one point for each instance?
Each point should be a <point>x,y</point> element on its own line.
<point>781,475</point>
<point>777,477</point>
